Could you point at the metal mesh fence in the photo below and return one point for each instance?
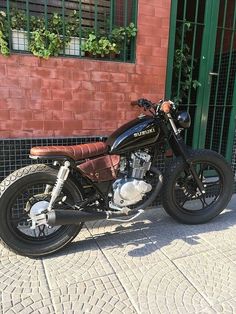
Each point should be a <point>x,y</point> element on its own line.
<point>14,153</point>
<point>234,162</point>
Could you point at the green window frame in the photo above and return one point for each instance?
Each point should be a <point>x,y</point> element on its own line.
<point>101,29</point>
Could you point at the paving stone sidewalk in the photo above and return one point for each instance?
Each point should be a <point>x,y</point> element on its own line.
<point>154,265</point>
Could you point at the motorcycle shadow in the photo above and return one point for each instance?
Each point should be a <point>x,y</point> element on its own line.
<point>156,231</point>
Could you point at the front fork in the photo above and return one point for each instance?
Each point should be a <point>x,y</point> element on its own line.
<point>180,148</point>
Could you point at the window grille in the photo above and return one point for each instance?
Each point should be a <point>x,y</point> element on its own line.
<point>68,24</point>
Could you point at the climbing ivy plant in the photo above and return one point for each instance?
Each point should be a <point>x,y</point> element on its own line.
<point>3,34</point>
<point>183,66</point>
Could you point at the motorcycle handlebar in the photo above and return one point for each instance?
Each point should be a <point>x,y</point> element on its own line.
<point>164,106</point>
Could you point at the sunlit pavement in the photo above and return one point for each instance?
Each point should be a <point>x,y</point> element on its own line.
<point>152,265</point>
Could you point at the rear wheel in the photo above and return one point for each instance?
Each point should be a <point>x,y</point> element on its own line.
<point>24,193</point>
<point>181,197</point>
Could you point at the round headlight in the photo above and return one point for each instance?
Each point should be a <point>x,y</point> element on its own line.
<point>184,119</point>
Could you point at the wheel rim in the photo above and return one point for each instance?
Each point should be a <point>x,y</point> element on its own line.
<point>186,194</point>
<point>19,207</point>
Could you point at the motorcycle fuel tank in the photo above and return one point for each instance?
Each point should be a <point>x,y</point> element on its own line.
<point>135,134</point>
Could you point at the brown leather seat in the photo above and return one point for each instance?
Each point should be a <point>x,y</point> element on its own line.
<point>76,152</point>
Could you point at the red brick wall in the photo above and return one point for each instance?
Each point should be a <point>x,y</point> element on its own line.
<point>72,97</point>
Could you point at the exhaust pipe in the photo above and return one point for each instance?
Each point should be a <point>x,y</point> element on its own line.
<point>75,217</point>
<point>72,217</point>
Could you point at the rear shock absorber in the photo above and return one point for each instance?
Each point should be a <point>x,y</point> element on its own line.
<point>61,178</point>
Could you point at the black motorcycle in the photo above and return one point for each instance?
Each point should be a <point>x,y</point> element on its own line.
<point>43,207</point>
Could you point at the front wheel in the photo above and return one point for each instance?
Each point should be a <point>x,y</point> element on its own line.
<point>181,197</point>
<point>28,188</point>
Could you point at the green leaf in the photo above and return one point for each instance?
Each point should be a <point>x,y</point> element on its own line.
<point>196,84</point>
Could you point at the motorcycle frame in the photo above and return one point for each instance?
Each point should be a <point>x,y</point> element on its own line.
<point>169,134</point>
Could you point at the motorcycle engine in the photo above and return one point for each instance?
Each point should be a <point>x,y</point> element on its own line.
<point>130,190</point>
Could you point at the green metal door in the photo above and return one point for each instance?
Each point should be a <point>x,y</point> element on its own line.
<point>201,70</point>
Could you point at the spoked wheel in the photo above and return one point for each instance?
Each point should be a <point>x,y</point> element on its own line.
<point>182,198</point>
<point>26,193</point>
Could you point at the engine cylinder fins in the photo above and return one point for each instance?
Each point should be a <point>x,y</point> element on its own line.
<point>141,163</point>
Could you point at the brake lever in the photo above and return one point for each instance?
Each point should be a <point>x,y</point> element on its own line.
<point>142,102</point>
<point>146,104</point>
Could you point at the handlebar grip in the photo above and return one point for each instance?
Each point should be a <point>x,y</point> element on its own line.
<point>166,106</point>
<point>142,102</point>
<point>134,103</point>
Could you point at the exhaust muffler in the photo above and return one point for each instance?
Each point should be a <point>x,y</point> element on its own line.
<point>72,217</point>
